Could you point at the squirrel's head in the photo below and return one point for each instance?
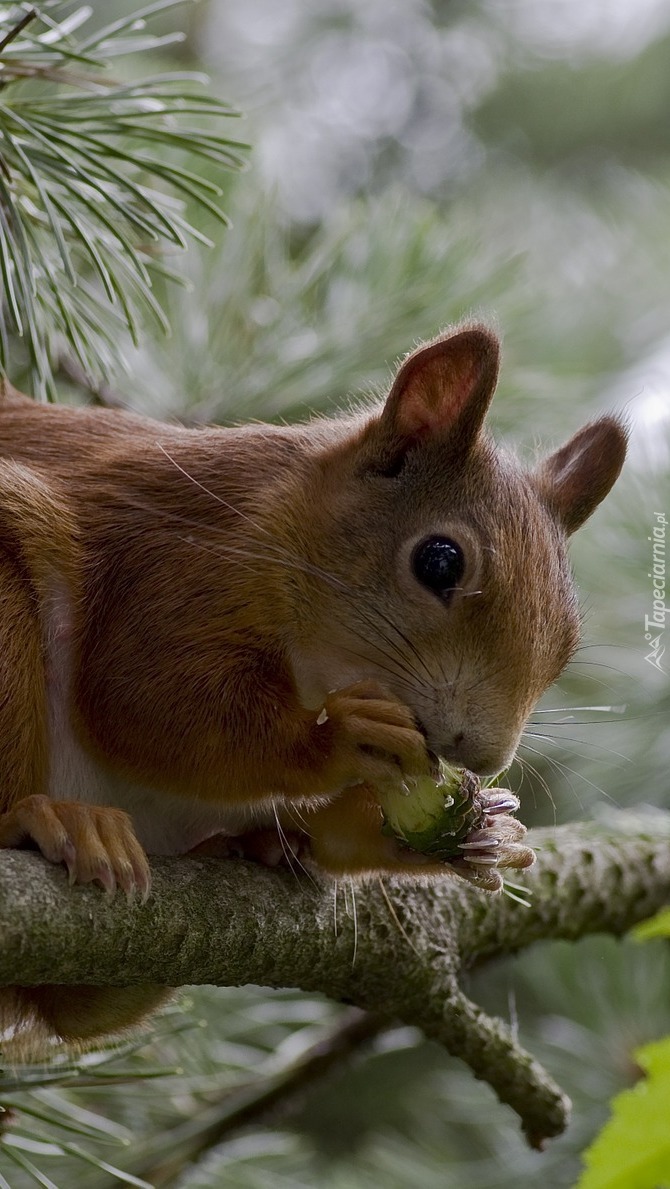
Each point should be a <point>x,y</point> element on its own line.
<point>440,567</point>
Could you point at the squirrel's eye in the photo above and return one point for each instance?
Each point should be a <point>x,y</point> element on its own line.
<point>438,563</point>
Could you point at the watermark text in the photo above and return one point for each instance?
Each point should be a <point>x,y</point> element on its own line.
<point>655,623</point>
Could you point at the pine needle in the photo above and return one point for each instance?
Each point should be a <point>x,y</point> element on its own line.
<point>97,176</point>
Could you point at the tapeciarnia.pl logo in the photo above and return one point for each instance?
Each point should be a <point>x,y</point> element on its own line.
<point>654,624</point>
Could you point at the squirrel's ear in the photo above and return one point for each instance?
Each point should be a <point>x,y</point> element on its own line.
<point>443,387</point>
<point>575,479</point>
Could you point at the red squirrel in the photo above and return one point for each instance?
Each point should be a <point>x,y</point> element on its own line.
<point>204,628</point>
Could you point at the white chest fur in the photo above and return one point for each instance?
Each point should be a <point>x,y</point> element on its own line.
<point>165,824</point>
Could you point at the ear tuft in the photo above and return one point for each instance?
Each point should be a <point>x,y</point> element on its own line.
<point>444,386</point>
<point>578,476</point>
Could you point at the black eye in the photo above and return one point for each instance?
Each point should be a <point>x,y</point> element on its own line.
<point>438,563</point>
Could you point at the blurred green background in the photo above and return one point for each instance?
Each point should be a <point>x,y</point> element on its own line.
<point>414,163</point>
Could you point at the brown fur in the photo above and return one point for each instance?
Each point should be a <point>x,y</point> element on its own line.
<point>243,627</point>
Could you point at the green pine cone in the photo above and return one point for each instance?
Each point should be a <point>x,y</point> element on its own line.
<point>434,816</point>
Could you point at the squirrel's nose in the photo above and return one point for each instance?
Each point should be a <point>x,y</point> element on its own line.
<point>483,757</point>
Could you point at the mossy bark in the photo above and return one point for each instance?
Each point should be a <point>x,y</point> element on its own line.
<point>400,954</point>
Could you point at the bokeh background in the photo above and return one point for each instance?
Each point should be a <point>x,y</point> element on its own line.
<point>414,163</point>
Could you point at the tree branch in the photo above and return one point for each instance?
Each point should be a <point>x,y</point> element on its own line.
<point>229,923</point>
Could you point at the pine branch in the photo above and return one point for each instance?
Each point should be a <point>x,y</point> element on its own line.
<point>226,923</point>
<point>96,180</point>
<point>161,1159</point>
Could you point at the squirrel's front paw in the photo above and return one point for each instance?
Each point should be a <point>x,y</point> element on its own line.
<point>96,843</point>
<point>374,737</point>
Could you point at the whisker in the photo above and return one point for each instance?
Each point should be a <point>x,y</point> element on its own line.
<point>485,678</point>
<point>219,499</point>
<point>566,770</point>
<point>395,917</point>
<point>392,664</point>
<point>568,709</point>
<point>314,570</point>
<point>247,555</point>
<point>607,751</point>
<point>296,815</point>
<point>403,637</point>
<point>355,920</point>
<point>596,665</point>
<point>539,777</point>
<point>281,557</point>
<point>397,668</point>
<point>282,838</point>
<point>622,647</point>
<point>288,853</point>
<point>526,768</point>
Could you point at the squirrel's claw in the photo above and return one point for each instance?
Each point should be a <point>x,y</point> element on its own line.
<point>97,844</point>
